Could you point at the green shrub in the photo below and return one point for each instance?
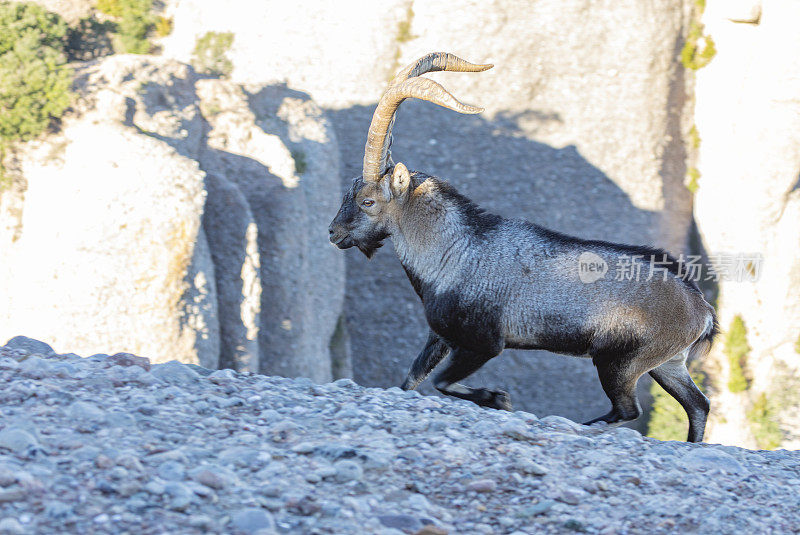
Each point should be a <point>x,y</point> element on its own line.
<point>797,345</point>
<point>699,49</point>
<point>763,423</point>
<point>737,350</point>
<point>89,39</point>
<point>694,137</point>
<point>404,27</point>
<point>34,79</point>
<point>668,420</point>
<point>300,163</point>
<point>110,7</point>
<point>693,179</point>
<point>135,21</point>
<point>163,26</point>
<point>209,54</point>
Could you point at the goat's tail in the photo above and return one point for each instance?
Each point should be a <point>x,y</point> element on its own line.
<point>702,345</point>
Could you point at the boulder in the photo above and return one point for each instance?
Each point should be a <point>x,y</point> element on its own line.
<point>108,250</point>
<point>274,146</point>
<point>29,344</point>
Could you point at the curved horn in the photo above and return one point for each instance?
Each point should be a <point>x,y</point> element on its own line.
<point>407,85</point>
<point>439,61</point>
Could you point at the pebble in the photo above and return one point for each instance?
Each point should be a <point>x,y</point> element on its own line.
<point>17,440</point>
<point>348,470</point>
<point>252,520</point>
<point>7,477</point>
<point>562,424</point>
<point>537,509</point>
<point>707,459</point>
<point>180,497</point>
<point>529,467</point>
<point>12,495</point>
<point>35,367</point>
<point>11,526</point>
<point>173,372</point>
<point>220,377</point>
<point>128,359</point>
<point>482,485</point>
<point>573,496</point>
<point>406,523</point>
<point>86,411</point>
<point>211,478</point>
<point>171,471</point>
<point>58,510</point>
<point>30,345</point>
<point>517,430</point>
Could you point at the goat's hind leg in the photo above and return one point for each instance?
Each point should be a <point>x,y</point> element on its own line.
<point>674,377</point>
<point>432,354</point>
<point>462,364</point>
<point>618,378</point>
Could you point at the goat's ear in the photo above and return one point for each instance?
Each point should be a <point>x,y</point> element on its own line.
<point>401,179</point>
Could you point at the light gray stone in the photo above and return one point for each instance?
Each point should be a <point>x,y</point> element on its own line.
<point>482,485</point>
<point>30,345</point>
<point>86,411</point>
<point>252,520</point>
<point>171,471</point>
<point>11,526</point>
<point>213,477</point>
<point>348,470</point>
<point>173,372</point>
<point>708,459</point>
<point>128,359</point>
<point>17,440</point>
<point>35,367</point>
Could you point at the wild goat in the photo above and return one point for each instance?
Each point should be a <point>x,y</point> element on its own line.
<point>488,283</point>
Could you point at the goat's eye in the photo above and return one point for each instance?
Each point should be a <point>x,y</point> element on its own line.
<point>367,202</point>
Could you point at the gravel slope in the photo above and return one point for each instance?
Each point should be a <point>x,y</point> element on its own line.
<point>112,445</point>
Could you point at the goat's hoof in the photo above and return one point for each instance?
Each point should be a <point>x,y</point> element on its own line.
<point>502,400</point>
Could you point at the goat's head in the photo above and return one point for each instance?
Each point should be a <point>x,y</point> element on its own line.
<point>372,203</point>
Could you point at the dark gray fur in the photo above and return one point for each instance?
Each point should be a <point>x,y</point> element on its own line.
<point>488,283</point>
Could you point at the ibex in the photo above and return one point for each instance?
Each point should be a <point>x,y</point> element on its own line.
<point>488,283</point>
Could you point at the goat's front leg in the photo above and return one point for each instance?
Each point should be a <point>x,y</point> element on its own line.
<point>463,364</point>
<point>432,354</point>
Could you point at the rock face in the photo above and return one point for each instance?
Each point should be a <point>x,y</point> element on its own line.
<point>229,225</point>
<point>274,146</point>
<point>347,49</point>
<point>748,202</point>
<point>177,216</point>
<point>108,250</point>
<point>102,448</point>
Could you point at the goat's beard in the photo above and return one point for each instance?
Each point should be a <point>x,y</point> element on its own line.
<point>369,248</point>
<point>372,242</point>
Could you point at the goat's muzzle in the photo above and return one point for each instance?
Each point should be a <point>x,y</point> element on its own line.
<point>339,237</point>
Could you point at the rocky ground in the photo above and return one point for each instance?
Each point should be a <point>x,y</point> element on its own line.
<point>111,444</point>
